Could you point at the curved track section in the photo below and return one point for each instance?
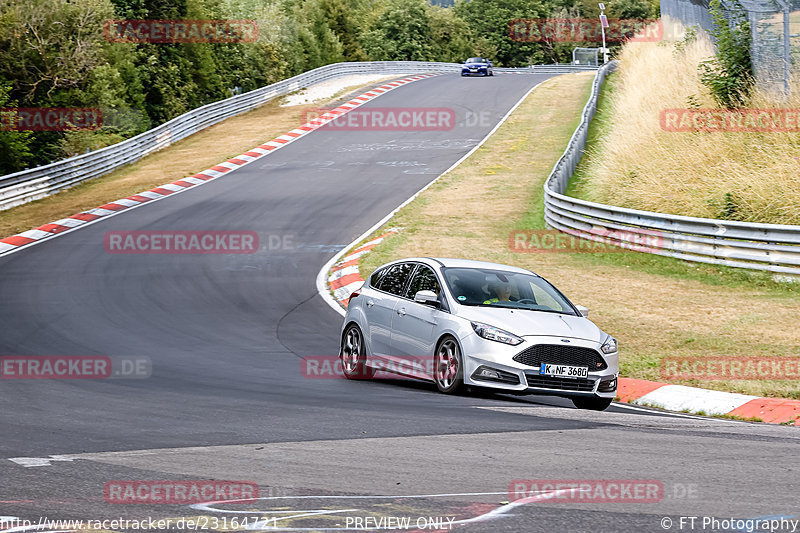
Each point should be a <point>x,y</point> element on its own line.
<point>225,333</point>
<point>224,330</point>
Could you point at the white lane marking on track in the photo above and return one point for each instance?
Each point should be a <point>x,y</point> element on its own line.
<point>676,415</point>
<point>28,462</point>
<point>499,512</point>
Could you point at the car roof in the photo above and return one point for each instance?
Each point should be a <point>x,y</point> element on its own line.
<point>449,262</point>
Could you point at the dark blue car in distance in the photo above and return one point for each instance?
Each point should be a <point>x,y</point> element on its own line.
<point>477,66</point>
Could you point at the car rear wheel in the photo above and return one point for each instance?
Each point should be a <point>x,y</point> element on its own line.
<point>448,366</point>
<point>353,355</point>
<point>593,404</point>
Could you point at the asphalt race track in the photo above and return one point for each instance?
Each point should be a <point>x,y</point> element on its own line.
<point>227,399</point>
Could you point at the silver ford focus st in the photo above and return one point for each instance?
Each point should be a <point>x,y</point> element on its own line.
<point>469,323</point>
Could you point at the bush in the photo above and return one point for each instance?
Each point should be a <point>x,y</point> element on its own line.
<point>729,75</point>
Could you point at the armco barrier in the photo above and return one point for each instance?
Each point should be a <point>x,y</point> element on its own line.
<point>42,181</point>
<point>769,247</point>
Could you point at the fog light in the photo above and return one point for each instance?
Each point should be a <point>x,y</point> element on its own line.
<point>485,373</point>
<point>607,386</point>
<point>489,373</point>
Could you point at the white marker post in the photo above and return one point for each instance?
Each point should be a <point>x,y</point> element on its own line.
<point>603,26</point>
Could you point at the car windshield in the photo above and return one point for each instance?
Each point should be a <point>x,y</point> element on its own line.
<point>500,288</point>
<point>475,60</point>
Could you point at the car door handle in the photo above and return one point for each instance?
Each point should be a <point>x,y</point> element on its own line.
<point>370,303</point>
<point>401,311</point>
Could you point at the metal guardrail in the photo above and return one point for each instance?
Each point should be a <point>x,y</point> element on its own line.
<point>769,247</point>
<point>42,181</point>
<point>39,182</point>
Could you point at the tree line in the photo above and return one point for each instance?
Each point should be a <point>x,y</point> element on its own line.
<point>55,53</point>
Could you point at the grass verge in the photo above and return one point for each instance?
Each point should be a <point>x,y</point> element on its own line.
<point>716,275</point>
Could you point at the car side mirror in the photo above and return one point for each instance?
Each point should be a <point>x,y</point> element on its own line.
<point>583,310</point>
<point>427,298</point>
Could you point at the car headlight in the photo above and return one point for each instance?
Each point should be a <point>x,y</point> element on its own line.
<point>495,334</point>
<point>609,346</point>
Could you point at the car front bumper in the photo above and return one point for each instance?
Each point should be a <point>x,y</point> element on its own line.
<point>484,358</point>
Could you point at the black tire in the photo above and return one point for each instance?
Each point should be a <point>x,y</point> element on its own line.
<point>448,366</point>
<point>491,73</point>
<point>353,354</point>
<point>592,404</point>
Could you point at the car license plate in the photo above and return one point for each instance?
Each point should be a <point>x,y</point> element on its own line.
<point>563,371</point>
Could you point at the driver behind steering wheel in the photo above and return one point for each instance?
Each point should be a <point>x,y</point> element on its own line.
<point>503,292</point>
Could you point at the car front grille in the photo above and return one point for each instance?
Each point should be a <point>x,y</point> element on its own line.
<point>568,384</point>
<point>561,355</point>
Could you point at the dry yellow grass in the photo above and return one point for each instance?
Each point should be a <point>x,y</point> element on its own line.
<point>745,176</point>
<point>186,157</point>
<point>470,212</point>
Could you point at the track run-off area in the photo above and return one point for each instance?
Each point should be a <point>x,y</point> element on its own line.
<point>225,398</point>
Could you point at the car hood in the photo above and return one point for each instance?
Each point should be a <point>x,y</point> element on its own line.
<point>476,64</point>
<point>529,323</point>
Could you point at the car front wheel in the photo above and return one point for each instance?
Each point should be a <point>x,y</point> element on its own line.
<point>353,355</point>
<point>448,365</point>
<point>592,404</point>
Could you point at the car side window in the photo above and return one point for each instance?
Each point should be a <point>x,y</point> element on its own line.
<point>394,281</point>
<point>423,280</point>
<point>376,276</point>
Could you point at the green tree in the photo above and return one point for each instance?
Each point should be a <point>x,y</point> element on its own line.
<point>633,9</point>
<point>452,38</point>
<point>491,18</point>
<point>400,32</point>
<point>15,152</point>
